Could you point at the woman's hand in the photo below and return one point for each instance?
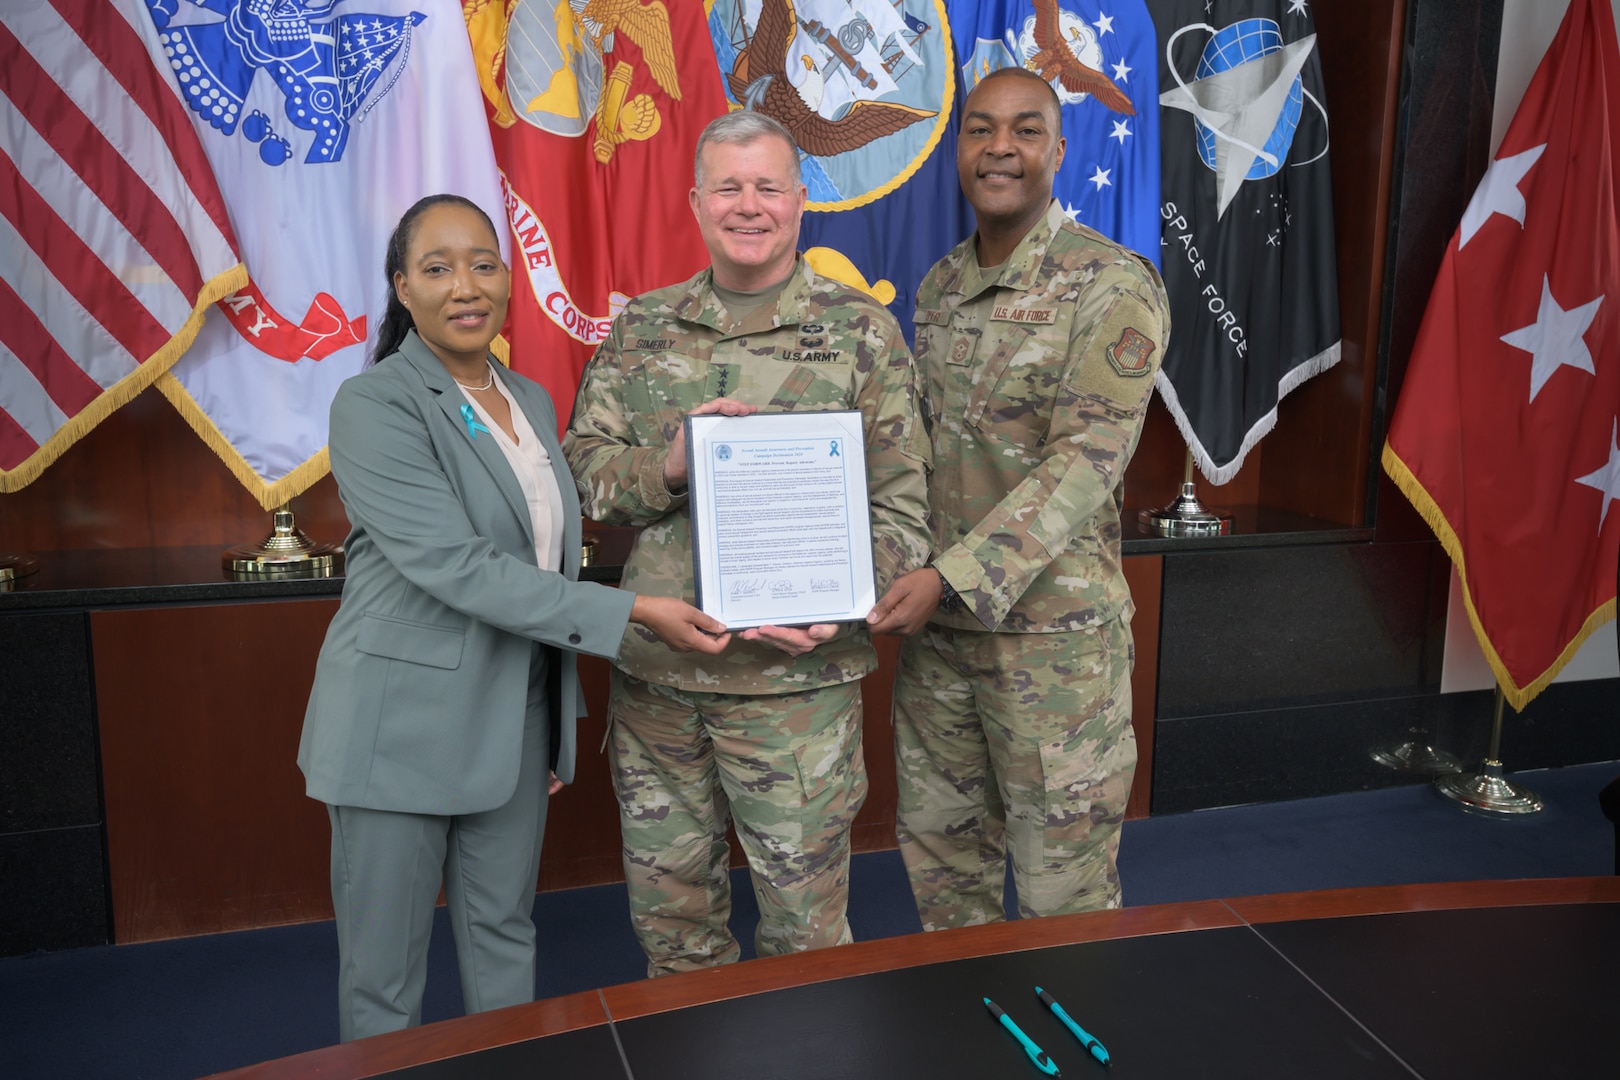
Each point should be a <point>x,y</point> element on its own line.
<point>675,463</point>
<point>680,625</point>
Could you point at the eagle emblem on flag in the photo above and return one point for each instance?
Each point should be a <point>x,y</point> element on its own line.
<point>327,66</point>
<point>561,62</point>
<point>864,86</point>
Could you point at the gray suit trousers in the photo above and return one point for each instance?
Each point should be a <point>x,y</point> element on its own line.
<point>387,868</point>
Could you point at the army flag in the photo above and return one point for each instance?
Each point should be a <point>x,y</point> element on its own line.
<point>324,123</point>
<point>595,109</point>
<point>1505,433</point>
<point>1101,57</point>
<point>1246,217</point>
<point>868,90</point>
<point>113,235</point>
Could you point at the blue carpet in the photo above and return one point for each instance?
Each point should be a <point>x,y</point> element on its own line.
<point>185,1008</point>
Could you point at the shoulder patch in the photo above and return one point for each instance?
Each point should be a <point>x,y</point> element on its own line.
<point>1131,353</point>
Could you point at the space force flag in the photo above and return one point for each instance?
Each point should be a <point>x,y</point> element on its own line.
<point>324,121</point>
<point>1101,56</point>
<point>596,109</point>
<point>868,90</point>
<point>114,240</point>
<point>1506,436</point>
<point>1247,219</point>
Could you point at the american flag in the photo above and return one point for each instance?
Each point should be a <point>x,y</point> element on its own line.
<point>113,235</point>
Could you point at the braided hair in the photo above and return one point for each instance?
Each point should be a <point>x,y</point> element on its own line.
<point>396,320</point>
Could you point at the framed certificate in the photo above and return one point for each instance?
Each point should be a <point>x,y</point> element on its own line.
<point>781,520</point>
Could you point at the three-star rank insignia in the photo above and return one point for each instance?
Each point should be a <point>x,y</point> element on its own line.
<point>1131,353</point>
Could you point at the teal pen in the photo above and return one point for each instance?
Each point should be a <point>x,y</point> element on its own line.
<point>1087,1039</point>
<point>1036,1054</point>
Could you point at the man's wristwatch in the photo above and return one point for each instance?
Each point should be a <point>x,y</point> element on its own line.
<point>949,601</point>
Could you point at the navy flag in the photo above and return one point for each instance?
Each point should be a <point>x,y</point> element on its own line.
<point>1101,56</point>
<point>1247,218</point>
<point>869,89</point>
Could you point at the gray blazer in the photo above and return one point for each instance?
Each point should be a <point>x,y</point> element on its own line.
<point>421,688</point>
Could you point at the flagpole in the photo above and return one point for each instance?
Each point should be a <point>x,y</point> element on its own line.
<point>286,552</point>
<point>1487,792</point>
<point>1184,515</point>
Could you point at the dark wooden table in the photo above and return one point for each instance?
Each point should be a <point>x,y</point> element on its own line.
<point>1466,979</point>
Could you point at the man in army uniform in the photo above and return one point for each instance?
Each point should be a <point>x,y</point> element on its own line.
<point>1037,341</point>
<point>769,732</point>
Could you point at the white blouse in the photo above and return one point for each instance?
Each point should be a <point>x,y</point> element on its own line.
<point>532,467</point>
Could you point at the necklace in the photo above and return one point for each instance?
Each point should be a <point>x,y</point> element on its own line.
<point>489,382</point>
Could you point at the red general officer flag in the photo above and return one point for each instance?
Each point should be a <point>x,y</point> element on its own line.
<point>596,109</point>
<point>1505,433</point>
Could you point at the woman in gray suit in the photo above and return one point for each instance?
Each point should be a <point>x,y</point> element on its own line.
<point>446,682</point>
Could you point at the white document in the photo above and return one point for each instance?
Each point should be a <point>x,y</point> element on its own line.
<point>781,520</point>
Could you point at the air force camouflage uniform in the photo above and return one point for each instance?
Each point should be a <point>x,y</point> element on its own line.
<point>771,739</point>
<point>1012,712</point>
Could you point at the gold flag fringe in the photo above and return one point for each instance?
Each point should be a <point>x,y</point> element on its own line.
<point>1517,696</point>
<point>270,494</point>
<point>124,390</point>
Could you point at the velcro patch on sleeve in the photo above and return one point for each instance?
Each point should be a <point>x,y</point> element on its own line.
<point>1131,353</point>
<point>1121,350</point>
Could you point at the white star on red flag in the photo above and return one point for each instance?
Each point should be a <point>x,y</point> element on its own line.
<point>1557,338</point>
<point>1499,193</point>
<point>1606,479</point>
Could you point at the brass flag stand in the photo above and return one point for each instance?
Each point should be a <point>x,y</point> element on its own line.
<point>13,567</point>
<point>286,552</point>
<point>1487,791</point>
<point>1184,515</point>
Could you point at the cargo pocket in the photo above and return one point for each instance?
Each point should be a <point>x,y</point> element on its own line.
<point>832,775</point>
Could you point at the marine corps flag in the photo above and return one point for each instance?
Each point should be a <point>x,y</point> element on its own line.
<point>1247,219</point>
<point>1505,433</point>
<point>595,108</point>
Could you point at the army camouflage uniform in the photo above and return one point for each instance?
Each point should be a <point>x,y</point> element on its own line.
<point>772,739</point>
<point>1012,712</point>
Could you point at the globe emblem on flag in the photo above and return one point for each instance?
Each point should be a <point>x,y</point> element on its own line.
<point>1239,43</point>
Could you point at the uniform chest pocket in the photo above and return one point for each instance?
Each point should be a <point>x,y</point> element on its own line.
<point>1012,398</point>
<point>808,389</point>
<point>659,390</point>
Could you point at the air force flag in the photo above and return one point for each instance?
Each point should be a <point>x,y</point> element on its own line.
<point>1101,58</point>
<point>1247,216</point>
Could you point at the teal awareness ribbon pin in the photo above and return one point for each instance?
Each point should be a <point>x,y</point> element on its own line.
<point>473,426</point>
